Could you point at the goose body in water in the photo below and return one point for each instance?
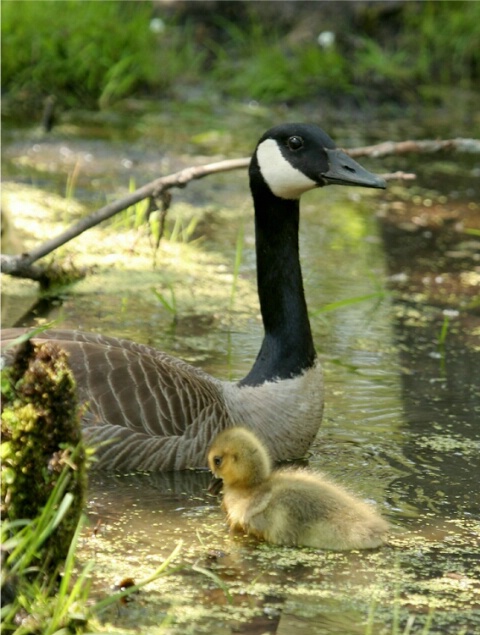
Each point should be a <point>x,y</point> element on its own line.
<point>159,413</point>
<point>294,507</point>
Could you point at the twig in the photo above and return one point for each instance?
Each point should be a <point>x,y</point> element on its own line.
<point>399,176</point>
<point>405,147</point>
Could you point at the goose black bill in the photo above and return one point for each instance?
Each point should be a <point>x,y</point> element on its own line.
<point>343,170</point>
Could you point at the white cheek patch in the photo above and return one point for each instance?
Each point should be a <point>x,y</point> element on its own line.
<point>281,177</point>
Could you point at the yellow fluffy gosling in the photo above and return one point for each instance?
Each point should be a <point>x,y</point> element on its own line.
<point>288,506</point>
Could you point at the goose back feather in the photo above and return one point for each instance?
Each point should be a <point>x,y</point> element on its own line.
<point>147,410</point>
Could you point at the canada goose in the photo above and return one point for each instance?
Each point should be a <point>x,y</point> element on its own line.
<point>162,413</point>
<point>288,506</point>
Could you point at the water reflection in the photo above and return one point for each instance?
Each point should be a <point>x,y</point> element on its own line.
<point>439,358</point>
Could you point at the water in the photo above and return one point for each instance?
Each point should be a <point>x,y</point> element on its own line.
<point>402,368</point>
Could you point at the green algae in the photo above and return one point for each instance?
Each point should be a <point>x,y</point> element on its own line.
<point>426,576</point>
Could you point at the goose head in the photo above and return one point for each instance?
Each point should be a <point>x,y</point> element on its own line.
<point>291,159</point>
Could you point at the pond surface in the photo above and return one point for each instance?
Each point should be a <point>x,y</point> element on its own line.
<point>392,284</point>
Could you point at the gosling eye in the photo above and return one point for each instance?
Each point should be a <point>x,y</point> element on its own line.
<point>295,142</point>
<point>217,461</point>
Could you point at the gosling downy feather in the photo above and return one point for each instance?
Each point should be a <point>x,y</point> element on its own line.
<point>293,507</point>
<point>159,413</point>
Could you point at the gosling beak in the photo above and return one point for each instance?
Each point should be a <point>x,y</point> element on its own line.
<point>343,170</point>
<point>215,486</point>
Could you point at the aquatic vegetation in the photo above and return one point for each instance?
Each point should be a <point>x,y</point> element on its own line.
<point>72,179</point>
<point>43,488</point>
<point>43,491</point>
<point>300,71</point>
<point>32,601</point>
<point>422,582</point>
<point>40,605</point>
<point>41,436</point>
<point>169,304</point>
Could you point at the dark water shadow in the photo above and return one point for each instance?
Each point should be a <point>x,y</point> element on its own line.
<point>436,325</point>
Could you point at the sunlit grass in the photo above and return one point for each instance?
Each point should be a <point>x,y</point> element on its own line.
<point>181,232</point>
<point>72,179</point>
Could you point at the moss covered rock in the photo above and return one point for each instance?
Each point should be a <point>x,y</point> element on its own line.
<point>41,437</point>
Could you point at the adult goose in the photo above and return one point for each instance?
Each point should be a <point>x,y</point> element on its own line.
<point>159,413</point>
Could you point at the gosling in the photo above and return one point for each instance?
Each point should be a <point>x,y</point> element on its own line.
<point>293,507</point>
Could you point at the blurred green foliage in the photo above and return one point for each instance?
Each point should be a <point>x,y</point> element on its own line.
<point>92,53</point>
<point>86,52</point>
<point>82,51</point>
<point>274,71</point>
<point>436,45</point>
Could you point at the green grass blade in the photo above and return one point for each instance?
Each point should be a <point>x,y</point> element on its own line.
<point>170,306</point>
<point>236,265</point>
<point>340,304</point>
<point>218,581</point>
<point>24,337</point>
<point>158,573</point>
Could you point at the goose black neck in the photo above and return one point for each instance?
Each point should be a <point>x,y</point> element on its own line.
<point>287,348</point>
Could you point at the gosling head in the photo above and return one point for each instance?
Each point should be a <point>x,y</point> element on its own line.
<point>238,458</point>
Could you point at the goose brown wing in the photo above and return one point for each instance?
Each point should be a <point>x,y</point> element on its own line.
<point>152,410</point>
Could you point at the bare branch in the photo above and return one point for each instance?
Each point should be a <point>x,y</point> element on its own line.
<point>46,274</point>
<point>399,176</point>
<point>10,264</point>
<point>152,189</point>
<point>388,148</point>
<point>21,265</point>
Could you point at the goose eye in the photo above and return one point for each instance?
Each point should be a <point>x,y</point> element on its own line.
<point>295,143</point>
<point>217,461</point>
